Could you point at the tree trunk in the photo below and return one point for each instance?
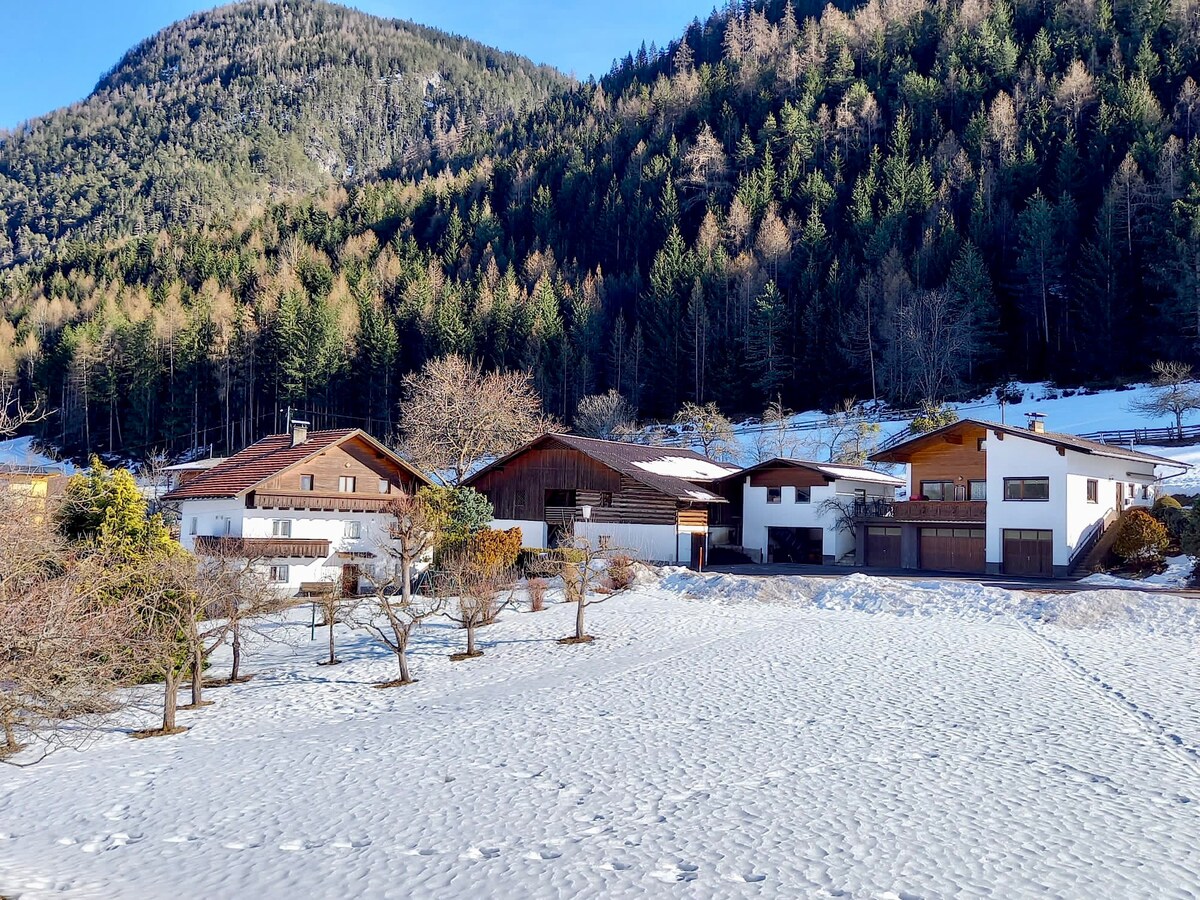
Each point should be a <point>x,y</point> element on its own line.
<point>332,659</point>
<point>197,676</point>
<point>470,637</point>
<point>10,733</point>
<point>402,658</point>
<point>237,653</point>
<point>170,701</point>
<point>579,608</point>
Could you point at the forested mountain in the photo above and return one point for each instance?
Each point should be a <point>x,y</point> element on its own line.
<point>251,102</point>
<point>903,200</point>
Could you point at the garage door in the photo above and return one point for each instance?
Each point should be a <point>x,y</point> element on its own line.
<point>794,545</point>
<point>952,549</point>
<point>883,546</point>
<point>1028,552</point>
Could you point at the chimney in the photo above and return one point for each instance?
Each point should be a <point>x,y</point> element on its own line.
<point>1037,422</point>
<point>299,432</point>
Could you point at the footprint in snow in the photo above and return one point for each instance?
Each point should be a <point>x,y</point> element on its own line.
<point>671,874</point>
<point>543,854</point>
<point>481,853</point>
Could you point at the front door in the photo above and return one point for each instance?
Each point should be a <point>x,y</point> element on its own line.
<point>699,550</point>
<point>1120,495</point>
<point>350,573</point>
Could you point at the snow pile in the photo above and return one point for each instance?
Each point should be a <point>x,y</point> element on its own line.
<point>1147,611</point>
<point>1177,575</point>
<point>961,600</point>
<point>736,589</point>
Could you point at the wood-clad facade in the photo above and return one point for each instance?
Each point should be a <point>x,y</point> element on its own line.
<point>352,476</point>
<point>543,482</point>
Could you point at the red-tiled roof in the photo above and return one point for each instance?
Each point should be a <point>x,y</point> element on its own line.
<point>266,459</point>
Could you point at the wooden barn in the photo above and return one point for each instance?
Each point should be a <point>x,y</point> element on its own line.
<point>652,502</point>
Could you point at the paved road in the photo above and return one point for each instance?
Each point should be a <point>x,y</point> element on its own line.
<point>1007,582</point>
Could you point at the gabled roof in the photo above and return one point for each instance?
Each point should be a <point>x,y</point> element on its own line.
<point>271,456</point>
<point>677,473</point>
<point>898,452</point>
<point>830,471</point>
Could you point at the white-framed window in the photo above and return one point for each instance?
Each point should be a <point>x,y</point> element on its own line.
<point>194,525</point>
<point>222,526</point>
<point>278,574</point>
<point>1093,491</point>
<point>385,486</point>
<point>306,482</point>
<point>352,530</point>
<point>347,484</point>
<point>281,528</point>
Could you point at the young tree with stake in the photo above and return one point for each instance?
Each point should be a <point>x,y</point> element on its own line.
<point>578,563</point>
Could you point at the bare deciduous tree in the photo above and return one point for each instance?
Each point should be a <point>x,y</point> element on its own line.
<point>775,439</point>
<point>708,426</point>
<point>846,436</point>
<point>14,415</point>
<point>391,614</point>
<point>59,645</point>
<point>236,594</point>
<point>579,564</point>
<point>335,607</point>
<point>472,590</point>
<point>456,414</point>
<point>606,416</point>
<point>1175,393</point>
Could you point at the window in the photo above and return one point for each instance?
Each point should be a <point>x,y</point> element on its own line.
<point>774,495</point>
<point>803,495</point>
<point>222,526</point>
<point>1145,492</point>
<point>979,444</point>
<point>306,482</point>
<point>1132,490</point>
<point>281,528</point>
<point>1026,488</point>
<point>194,524</point>
<point>352,530</point>
<point>605,499</point>
<point>278,574</point>
<point>385,486</point>
<point>604,541</point>
<point>347,484</point>
<point>520,499</point>
<point>977,490</point>
<point>937,490</point>
<point>1093,491</point>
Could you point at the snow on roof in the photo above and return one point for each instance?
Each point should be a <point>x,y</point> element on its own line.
<point>855,473</point>
<point>198,465</point>
<point>686,467</point>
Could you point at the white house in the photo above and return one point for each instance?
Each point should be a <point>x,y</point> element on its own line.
<point>795,510</point>
<point>995,498</point>
<point>309,507</point>
<point>652,502</point>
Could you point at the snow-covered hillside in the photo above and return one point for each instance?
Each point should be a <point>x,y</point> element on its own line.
<point>722,737</point>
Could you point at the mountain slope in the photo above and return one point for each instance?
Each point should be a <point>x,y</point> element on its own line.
<point>247,102</point>
<point>910,200</point>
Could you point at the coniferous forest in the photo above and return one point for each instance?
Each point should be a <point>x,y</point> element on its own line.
<point>897,200</point>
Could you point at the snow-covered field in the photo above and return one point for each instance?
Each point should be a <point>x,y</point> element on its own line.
<point>723,737</point>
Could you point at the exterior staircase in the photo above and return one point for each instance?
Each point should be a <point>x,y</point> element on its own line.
<point>1092,552</point>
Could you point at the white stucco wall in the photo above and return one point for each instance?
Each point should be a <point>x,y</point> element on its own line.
<point>209,516</point>
<point>651,543</point>
<point>758,515</point>
<point>1067,513</point>
<point>533,533</point>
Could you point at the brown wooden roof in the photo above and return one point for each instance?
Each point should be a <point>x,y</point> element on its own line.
<point>638,461</point>
<point>900,452</point>
<point>269,457</point>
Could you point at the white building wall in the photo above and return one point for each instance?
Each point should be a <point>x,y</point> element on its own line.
<point>758,515</point>
<point>208,518</point>
<point>650,543</point>
<point>533,533</point>
<point>1068,512</point>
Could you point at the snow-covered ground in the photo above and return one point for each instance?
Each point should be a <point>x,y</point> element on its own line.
<point>723,737</point>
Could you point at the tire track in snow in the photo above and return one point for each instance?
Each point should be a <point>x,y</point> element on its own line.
<point>1146,721</point>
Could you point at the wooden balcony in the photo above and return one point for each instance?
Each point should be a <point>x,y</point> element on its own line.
<point>322,502</point>
<point>263,548</point>
<point>920,511</point>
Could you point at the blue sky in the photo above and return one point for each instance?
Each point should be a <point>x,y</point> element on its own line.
<point>52,52</point>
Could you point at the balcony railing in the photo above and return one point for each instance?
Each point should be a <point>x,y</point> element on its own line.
<point>922,510</point>
<point>326,502</point>
<point>263,548</point>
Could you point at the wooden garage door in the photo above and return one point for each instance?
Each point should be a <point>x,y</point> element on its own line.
<point>1028,552</point>
<point>952,549</point>
<point>883,546</point>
